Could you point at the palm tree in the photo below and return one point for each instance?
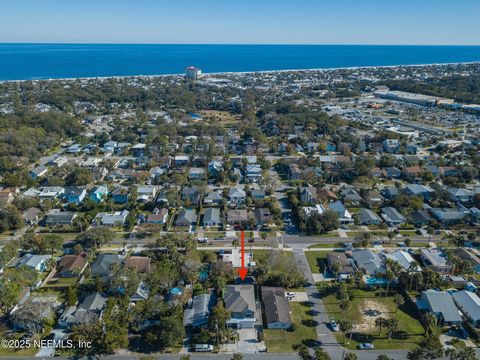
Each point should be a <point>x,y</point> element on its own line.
<point>399,300</point>
<point>430,321</point>
<point>411,271</point>
<point>346,326</point>
<point>392,326</point>
<point>380,323</point>
<point>345,303</point>
<point>336,268</point>
<point>393,268</point>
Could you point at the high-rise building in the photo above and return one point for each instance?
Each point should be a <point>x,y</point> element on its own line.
<point>192,73</point>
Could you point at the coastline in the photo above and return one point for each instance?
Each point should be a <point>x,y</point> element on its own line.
<point>329,69</point>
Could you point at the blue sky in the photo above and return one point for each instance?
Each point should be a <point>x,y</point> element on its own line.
<point>242,21</point>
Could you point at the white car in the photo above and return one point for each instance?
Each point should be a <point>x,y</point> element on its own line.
<point>366,346</point>
<point>203,348</point>
<point>290,295</point>
<point>334,325</point>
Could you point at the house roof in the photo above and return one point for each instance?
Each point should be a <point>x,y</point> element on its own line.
<point>187,215</point>
<point>419,216</point>
<point>440,302</point>
<point>276,305</point>
<point>57,216</point>
<point>239,298</point>
<point>32,260</point>
<point>434,256</point>
<point>103,264</point>
<point>367,215</point>
<point>464,254</point>
<point>140,263</point>
<point>72,262</point>
<point>211,215</point>
<point>447,214</point>
<point>237,215</point>
<point>235,192</point>
<point>402,257</point>
<point>469,303</point>
<point>341,259</point>
<point>391,214</point>
<point>368,260</point>
<point>198,310</point>
<point>91,307</point>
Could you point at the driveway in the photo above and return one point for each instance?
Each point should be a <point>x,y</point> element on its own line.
<point>247,343</point>
<point>50,351</point>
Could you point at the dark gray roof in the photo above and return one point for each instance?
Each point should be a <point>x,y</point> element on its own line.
<point>211,215</point>
<point>276,305</point>
<point>187,216</point>
<point>239,298</point>
<point>367,215</point>
<point>391,214</point>
<point>199,310</point>
<point>103,264</point>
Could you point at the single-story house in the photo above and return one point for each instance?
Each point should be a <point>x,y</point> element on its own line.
<point>237,217</point>
<point>56,217</point>
<point>117,218</point>
<point>72,265</point>
<point>436,260</point>
<point>141,264</point>
<point>37,262</point>
<point>90,309</point>
<point>392,217</point>
<point>469,256</point>
<point>198,310</point>
<point>186,217</point>
<point>345,267</point>
<point>211,217</point>
<point>441,304</point>
<point>102,266</point>
<point>159,218</point>
<point>368,217</point>
<point>277,310</point>
<point>368,261</point>
<point>74,195</point>
<point>469,303</point>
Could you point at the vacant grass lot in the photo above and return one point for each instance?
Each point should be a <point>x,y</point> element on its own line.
<point>305,331</point>
<point>316,260</point>
<point>410,331</point>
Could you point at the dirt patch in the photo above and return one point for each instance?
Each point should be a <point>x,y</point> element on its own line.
<point>370,311</point>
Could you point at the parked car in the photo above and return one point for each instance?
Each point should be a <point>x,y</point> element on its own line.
<point>366,346</point>
<point>334,325</point>
<point>290,295</point>
<point>203,348</point>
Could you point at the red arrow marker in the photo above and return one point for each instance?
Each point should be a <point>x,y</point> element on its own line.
<point>242,271</point>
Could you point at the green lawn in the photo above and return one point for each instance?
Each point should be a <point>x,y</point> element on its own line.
<point>12,352</point>
<point>316,260</point>
<point>61,282</point>
<point>410,331</point>
<point>316,246</point>
<point>305,332</point>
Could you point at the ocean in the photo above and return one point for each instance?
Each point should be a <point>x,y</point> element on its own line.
<point>50,61</point>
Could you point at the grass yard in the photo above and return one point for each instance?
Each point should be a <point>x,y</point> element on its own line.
<point>316,260</point>
<point>61,282</point>
<point>281,341</point>
<point>326,246</point>
<point>223,118</point>
<point>410,331</point>
<point>11,352</point>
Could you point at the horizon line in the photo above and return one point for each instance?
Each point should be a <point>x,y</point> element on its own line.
<point>227,44</point>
